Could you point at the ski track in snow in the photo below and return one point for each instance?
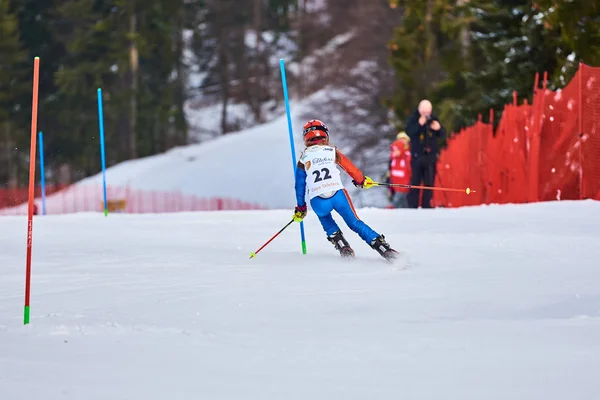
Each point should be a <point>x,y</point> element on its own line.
<point>492,302</point>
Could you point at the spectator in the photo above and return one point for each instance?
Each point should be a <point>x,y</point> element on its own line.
<point>399,170</point>
<point>424,129</point>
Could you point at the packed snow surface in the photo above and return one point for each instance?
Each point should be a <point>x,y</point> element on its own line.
<point>493,302</point>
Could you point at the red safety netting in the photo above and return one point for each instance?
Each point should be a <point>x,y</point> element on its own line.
<point>590,128</point>
<point>549,150</point>
<point>90,198</point>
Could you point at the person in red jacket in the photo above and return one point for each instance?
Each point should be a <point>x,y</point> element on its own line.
<point>399,169</point>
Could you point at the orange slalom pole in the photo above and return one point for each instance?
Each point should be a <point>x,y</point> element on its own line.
<point>467,190</point>
<point>32,159</point>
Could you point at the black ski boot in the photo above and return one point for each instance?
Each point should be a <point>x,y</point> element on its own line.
<point>383,248</point>
<point>341,244</point>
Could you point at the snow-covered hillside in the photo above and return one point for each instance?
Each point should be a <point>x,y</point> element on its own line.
<point>346,94</point>
<point>497,302</point>
<point>253,165</point>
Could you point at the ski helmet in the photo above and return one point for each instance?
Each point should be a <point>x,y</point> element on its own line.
<point>315,132</point>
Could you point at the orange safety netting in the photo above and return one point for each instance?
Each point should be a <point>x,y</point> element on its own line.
<point>548,150</point>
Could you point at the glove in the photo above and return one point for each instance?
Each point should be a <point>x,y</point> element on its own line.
<point>299,213</point>
<point>365,184</point>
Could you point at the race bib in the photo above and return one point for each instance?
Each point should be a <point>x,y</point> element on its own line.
<point>322,174</point>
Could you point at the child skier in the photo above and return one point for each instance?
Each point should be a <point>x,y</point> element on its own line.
<point>317,171</point>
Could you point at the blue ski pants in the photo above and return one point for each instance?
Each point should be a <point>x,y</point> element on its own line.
<point>341,203</point>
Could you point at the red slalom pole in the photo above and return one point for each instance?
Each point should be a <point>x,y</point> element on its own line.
<point>467,190</point>
<point>252,255</point>
<point>32,157</point>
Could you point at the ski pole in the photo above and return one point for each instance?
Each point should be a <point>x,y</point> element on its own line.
<point>252,255</point>
<point>467,190</point>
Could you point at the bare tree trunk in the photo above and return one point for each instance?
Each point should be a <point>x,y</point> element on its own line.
<point>243,64</point>
<point>225,103</point>
<point>11,170</point>
<point>262,60</point>
<point>465,40</point>
<point>6,151</point>
<point>222,43</point>
<point>430,40</point>
<point>302,46</point>
<point>180,125</point>
<point>222,37</point>
<point>133,62</point>
<point>257,83</point>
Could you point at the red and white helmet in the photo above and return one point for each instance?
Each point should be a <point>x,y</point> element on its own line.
<point>315,132</point>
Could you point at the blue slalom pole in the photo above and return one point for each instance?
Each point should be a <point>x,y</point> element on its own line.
<point>289,120</point>
<point>102,153</point>
<point>43,174</point>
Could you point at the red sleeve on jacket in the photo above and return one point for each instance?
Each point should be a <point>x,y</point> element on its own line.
<point>347,166</point>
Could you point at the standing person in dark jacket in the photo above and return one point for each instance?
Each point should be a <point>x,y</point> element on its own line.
<point>424,130</point>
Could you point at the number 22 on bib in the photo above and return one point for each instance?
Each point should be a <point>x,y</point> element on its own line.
<point>323,176</point>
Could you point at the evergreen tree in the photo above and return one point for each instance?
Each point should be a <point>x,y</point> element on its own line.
<point>510,44</point>
<point>430,56</point>
<point>578,24</point>
<point>37,23</point>
<point>133,51</point>
<point>164,74</point>
<point>95,36</point>
<point>14,85</point>
<point>469,56</point>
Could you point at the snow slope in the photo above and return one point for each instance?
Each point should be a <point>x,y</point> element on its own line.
<point>170,307</point>
<point>253,165</point>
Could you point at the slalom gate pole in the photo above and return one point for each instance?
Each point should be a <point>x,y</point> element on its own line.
<point>42,172</point>
<point>32,159</point>
<point>102,151</point>
<point>252,255</point>
<point>467,190</point>
<point>290,130</point>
